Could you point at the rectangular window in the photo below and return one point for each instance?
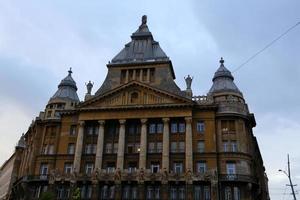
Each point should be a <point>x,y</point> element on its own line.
<point>200,127</point>
<point>181,147</point>
<point>159,147</point>
<point>90,130</point>
<point>200,146</point>
<point>173,147</point>
<point>159,128</point>
<point>108,148</point>
<point>151,147</point>
<point>68,168</point>
<point>225,146</point>
<point>230,168</point>
<point>86,192</point>
<point>181,127</point>
<point>178,167</point>
<point>174,127</point>
<point>206,193</point>
<point>44,169</point>
<point>152,128</point>
<point>44,149</point>
<point>154,167</point>
<point>236,193</point>
<point>73,130</point>
<point>234,147</point>
<point>201,167</point>
<point>115,148</point>
<point>110,167</point>
<point>132,166</point>
<point>89,168</point>
<point>130,148</point>
<point>88,149</point>
<point>71,149</point>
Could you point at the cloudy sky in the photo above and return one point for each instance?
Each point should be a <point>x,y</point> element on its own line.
<point>40,40</point>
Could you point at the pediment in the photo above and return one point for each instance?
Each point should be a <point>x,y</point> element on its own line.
<point>135,94</point>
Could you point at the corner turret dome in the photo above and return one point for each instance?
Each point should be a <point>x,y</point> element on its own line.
<point>223,81</point>
<point>66,89</point>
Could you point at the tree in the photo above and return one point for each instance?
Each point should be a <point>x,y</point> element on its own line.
<point>76,194</point>
<point>47,196</point>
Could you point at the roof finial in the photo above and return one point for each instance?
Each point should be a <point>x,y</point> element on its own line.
<point>144,20</point>
<point>70,71</point>
<point>222,61</point>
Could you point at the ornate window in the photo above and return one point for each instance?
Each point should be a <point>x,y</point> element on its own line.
<point>68,168</point>
<point>200,127</point>
<point>201,167</point>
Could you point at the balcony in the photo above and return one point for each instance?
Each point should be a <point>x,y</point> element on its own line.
<point>36,178</point>
<point>237,178</point>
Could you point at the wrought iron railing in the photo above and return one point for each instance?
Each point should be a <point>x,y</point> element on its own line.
<point>237,178</point>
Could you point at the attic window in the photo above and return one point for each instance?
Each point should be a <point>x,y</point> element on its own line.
<point>134,97</point>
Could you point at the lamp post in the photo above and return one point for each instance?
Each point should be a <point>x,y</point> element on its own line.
<point>288,174</point>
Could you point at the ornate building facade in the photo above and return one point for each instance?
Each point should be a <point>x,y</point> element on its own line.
<point>139,136</point>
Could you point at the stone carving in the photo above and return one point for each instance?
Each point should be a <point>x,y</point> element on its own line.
<point>188,176</point>
<point>141,176</point>
<point>164,176</point>
<point>117,176</point>
<point>188,81</point>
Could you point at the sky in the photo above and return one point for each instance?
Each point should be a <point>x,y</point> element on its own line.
<point>41,40</point>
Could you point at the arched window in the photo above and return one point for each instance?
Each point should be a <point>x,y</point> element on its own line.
<point>134,97</point>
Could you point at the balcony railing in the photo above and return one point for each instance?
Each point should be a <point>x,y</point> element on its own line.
<point>237,178</point>
<point>36,178</point>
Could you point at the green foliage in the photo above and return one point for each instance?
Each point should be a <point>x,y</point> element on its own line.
<point>47,196</point>
<point>76,194</point>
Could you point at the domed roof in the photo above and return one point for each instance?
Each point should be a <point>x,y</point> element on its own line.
<point>223,81</point>
<point>66,89</point>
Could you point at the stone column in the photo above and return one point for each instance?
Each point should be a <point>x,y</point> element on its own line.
<point>121,145</point>
<point>78,150</point>
<point>148,75</point>
<point>166,144</point>
<point>143,145</point>
<point>188,145</point>
<point>100,141</point>
<point>127,76</point>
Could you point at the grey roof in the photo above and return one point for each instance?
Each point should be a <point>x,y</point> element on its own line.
<point>142,47</point>
<point>223,81</point>
<point>66,89</point>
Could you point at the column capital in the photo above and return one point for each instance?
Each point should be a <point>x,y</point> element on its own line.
<point>81,123</point>
<point>122,121</point>
<point>101,122</point>
<point>144,120</point>
<point>166,119</point>
<point>188,119</point>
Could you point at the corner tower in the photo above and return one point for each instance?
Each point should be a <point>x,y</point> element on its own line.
<point>65,98</point>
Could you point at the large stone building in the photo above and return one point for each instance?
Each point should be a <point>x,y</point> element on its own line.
<point>139,136</point>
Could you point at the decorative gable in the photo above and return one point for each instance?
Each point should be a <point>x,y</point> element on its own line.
<point>134,94</point>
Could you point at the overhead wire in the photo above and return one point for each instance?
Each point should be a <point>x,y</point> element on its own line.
<point>266,47</point>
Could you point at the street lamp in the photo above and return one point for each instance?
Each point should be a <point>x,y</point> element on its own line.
<point>288,174</point>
